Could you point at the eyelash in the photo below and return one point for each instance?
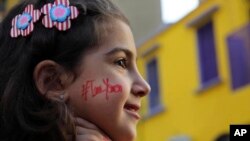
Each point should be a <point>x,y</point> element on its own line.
<point>122,63</point>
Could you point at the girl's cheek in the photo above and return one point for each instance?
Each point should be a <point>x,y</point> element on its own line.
<point>90,88</point>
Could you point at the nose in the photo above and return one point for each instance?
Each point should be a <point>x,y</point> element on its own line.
<point>140,87</point>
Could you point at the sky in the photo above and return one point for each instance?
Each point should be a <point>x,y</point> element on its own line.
<point>174,10</point>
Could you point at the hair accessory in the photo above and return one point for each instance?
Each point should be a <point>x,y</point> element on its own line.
<point>59,14</point>
<point>23,24</point>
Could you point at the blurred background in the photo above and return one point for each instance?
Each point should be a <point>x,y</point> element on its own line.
<point>195,54</point>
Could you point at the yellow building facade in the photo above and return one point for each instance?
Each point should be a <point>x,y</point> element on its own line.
<point>11,3</point>
<point>202,67</point>
<point>5,6</point>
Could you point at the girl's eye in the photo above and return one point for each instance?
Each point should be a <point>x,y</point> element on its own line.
<point>122,62</point>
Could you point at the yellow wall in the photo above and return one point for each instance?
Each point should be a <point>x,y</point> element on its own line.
<point>8,5</point>
<point>202,115</point>
<point>11,3</point>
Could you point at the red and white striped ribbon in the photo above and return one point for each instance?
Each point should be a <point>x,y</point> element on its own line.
<point>35,14</point>
<point>62,26</point>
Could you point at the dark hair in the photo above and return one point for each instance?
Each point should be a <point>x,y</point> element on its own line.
<point>25,114</point>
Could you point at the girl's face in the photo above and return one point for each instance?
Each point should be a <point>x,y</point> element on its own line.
<point>109,88</point>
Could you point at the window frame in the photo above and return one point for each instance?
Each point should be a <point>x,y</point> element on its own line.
<point>207,83</point>
<point>158,107</point>
<point>242,52</point>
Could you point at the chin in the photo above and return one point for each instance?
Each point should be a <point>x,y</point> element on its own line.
<point>128,136</point>
<point>125,138</point>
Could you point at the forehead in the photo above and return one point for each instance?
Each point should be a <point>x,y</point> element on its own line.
<point>119,35</point>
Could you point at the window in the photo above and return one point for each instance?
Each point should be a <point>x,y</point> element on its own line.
<point>239,57</point>
<point>154,96</point>
<point>207,55</point>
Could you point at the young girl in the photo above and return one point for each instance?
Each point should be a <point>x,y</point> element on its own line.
<point>68,72</point>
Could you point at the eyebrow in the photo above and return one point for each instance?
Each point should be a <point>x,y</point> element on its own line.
<point>119,49</point>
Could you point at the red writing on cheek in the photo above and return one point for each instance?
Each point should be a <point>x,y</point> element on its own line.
<point>94,90</point>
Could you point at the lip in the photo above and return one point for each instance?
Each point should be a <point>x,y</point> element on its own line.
<point>132,109</point>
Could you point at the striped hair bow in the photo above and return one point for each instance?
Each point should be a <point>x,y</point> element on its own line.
<point>59,14</point>
<point>23,24</point>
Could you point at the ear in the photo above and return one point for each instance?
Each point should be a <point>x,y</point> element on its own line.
<point>51,80</point>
